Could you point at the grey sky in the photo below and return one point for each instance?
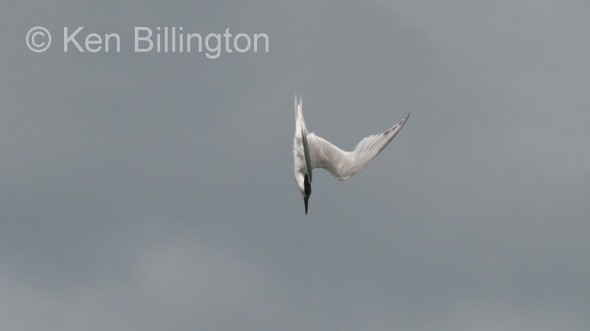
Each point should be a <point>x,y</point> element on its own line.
<point>155,191</point>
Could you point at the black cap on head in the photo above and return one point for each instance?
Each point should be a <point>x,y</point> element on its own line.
<point>307,191</point>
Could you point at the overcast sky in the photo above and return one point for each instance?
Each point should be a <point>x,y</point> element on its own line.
<point>155,191</point>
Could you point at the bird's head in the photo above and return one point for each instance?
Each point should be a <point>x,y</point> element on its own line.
<point>304,187</point>
<point>305,190</point>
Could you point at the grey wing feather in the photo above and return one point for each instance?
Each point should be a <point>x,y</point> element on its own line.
<point>308,163</point>
<point>342,164</point>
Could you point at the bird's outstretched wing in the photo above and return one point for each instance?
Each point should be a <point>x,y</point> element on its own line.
<point>342,164</point>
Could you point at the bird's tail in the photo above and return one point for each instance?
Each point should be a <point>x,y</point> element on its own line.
<point>299,111</point>
<point>295,104</point>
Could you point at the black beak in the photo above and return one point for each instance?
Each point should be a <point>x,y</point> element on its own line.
<point>307,191</point>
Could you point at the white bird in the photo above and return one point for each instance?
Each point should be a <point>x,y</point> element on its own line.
<point>311,151</point>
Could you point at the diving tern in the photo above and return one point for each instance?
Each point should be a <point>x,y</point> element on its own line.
<point>311,151</point>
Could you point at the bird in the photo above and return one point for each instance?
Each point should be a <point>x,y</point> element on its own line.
<point>311,151</point>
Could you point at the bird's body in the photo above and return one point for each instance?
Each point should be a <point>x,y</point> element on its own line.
<point>311,151</point>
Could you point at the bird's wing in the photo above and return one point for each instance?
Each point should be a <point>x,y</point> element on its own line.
<point>344,164</point>
<point>306,152</point>
<point>302,130</point>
